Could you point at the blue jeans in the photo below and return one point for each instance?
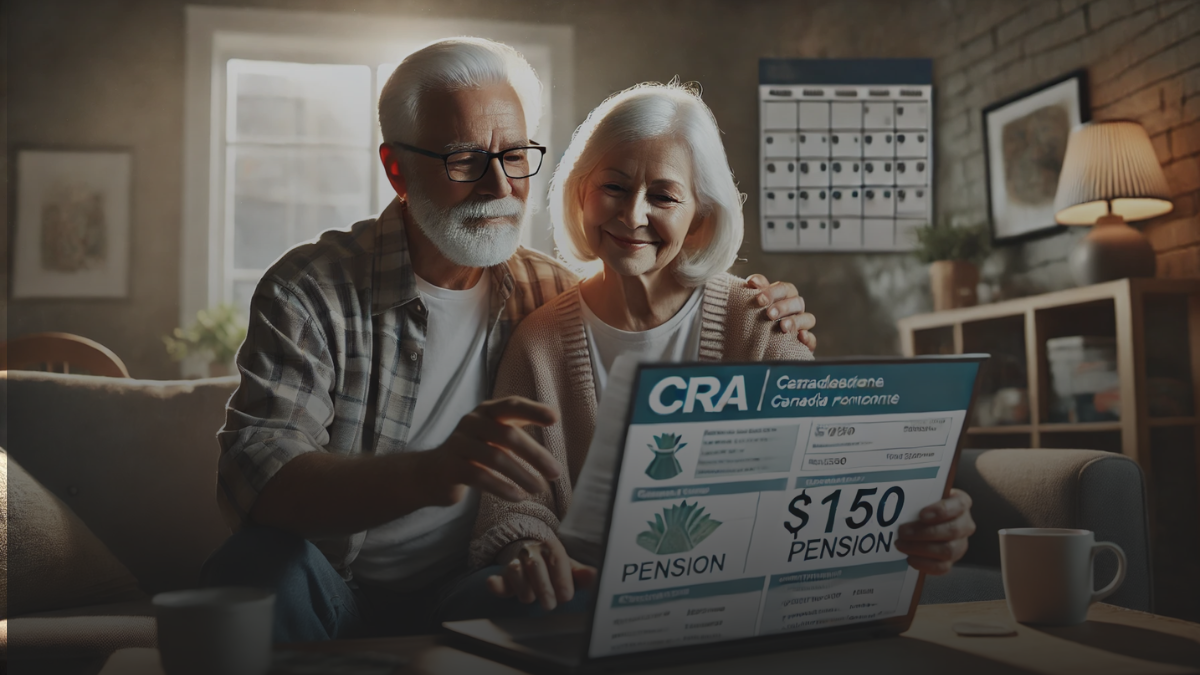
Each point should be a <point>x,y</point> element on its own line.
<point>314,603</point>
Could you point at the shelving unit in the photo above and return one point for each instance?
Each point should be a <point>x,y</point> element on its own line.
<point>1156,324</point>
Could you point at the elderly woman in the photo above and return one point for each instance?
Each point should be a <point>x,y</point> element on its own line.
<point>644,189</point>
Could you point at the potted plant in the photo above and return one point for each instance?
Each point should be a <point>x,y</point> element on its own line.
<point>954,255</point>
<point>216,335</point>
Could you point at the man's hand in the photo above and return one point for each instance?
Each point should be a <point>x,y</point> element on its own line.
<point>541,571</point>
<point>485,446</point>
<point>783,303</point>
<point>938,538</point>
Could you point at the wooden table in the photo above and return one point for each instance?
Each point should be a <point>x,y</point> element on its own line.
<point>1114,641</point>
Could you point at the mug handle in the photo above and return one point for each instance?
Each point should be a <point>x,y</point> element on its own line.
<point>1113,585</point>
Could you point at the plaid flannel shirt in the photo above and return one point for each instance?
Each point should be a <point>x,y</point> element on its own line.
<point>333,353</point>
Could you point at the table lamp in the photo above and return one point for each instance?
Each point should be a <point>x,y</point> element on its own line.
<point>1110,174</point>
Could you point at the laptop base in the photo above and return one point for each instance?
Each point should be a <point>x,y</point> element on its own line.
<point>556,643</point>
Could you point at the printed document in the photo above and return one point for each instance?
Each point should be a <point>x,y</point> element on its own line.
<point>759,499</point>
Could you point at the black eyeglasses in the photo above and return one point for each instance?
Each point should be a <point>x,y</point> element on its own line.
<point>468,166</point>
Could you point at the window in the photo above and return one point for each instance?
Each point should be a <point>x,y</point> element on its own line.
<point>281,132</point>
<point>300,158</point>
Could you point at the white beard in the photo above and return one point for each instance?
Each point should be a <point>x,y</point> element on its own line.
<point>457,233</point>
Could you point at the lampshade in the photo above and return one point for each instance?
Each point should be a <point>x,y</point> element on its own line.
<point>1110,167</point>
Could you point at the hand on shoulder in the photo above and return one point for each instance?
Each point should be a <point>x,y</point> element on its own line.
<point>780,302</point>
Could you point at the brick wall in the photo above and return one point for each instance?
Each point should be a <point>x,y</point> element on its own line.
<point>1143,63</point>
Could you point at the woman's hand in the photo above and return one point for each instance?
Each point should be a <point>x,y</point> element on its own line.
<point>483,450</point>
<point>938,538</point>
<point>784,304</point>
<point>542,571</point>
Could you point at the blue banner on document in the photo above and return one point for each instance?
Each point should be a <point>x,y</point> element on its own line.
<point>703,393</point>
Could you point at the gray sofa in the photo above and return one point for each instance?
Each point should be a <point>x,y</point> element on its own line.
<point>125,471</point>
<point>1086,489</point>
<point>136,461</point>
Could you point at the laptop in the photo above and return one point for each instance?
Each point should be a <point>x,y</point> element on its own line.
<point>735,508</point>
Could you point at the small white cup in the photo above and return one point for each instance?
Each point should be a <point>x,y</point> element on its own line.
<point>215,630</point>
<point>1049,575</point>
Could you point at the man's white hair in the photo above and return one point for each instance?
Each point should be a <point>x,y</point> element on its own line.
<point>645,111</point>
<point>451,65</point>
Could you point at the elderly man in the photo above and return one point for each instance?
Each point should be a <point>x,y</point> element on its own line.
<point>360,436</point>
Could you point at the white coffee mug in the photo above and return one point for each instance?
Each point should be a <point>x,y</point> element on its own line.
<point>215,630</point>
<point>1049,573</point>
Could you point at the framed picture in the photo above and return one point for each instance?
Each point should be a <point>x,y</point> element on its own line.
<point>1025,139</point>
<point>72,224</point>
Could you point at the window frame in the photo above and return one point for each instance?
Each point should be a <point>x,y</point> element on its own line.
<point>215,35</point>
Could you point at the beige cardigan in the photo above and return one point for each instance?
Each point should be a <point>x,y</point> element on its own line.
<point>548,360</point>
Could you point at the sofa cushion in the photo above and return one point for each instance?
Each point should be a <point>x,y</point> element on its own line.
<point>53,559</point>
<point>1087,489</point>
<point>43,641</point>
<point>76,641</point>
<point>136,460</point>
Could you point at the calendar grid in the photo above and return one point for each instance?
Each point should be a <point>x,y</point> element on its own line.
<point>844,167</point>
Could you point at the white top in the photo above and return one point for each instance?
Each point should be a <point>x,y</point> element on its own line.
<point>676,340</point>
<point>412,550</point>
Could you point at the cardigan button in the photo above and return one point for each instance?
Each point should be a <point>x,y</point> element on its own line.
<point>412,356</point>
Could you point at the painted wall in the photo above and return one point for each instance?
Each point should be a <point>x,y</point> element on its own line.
<point>110,73</point>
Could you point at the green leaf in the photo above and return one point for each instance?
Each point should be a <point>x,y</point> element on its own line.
<point>218,332</point>
<point>971,243</point>
<point>677,529</point>
<point>667,441</point>
<point>648,541</point>
<point>704,527</point>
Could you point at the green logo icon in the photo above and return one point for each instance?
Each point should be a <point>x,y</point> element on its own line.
<point>664,465</point>
<point>677,529</point>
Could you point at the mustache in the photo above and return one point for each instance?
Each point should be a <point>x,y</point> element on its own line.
<point>508,207</point>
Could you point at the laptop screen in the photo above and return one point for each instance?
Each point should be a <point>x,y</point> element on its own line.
<point>759,499</point>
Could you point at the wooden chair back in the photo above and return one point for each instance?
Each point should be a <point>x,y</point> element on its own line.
<point>60,353</point>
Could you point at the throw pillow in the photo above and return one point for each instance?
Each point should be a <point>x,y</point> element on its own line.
<point>53,560</point>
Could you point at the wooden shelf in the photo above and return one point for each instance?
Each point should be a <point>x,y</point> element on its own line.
<point>1154,325</point>
<point>1132,311</point>
<point>1068,427</point>
<point>1174,421</point>
<point>1079,426</point>
<point>1071,296</point>
<point>1004,429</point>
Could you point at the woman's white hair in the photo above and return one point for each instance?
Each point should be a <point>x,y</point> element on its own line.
<point>450,65</point>
<point>645,111</point>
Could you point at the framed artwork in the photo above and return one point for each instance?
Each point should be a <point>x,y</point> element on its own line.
<point>1025,139</point>
<point>71,238</point>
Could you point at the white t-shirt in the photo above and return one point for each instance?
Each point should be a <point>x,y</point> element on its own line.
<point>676,340</point>
<point>414,549</point>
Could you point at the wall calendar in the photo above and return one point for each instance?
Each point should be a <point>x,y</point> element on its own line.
<point>846,153</point>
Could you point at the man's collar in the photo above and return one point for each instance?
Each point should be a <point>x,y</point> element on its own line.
<point>393,281</point>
